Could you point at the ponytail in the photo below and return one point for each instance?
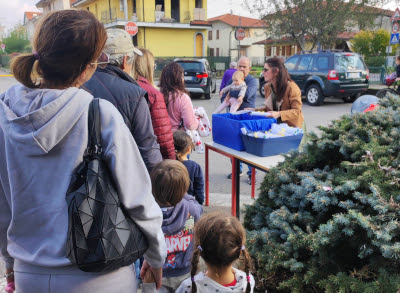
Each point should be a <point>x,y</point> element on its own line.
<point>195,262</point>
<point>22,69</point>
<point>247,261</point>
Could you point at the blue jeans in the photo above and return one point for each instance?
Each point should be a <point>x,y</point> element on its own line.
<point>241,169</point>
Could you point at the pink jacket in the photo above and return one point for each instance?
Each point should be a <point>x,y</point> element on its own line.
<point>181,110</point>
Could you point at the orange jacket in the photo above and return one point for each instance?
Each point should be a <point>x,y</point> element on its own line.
<point>290,108</point>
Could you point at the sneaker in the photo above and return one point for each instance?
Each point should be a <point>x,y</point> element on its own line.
<point>230,175</point>
<point>249,180</point>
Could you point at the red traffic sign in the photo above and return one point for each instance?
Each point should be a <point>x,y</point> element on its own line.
<point>240,34</point>
<point>396,15</point>
<point>3,46</point>
<point>131,28</point>
<point>395,28</point>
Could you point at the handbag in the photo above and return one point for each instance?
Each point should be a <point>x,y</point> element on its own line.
<point>101,236</point>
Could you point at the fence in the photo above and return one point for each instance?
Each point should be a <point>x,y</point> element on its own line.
<point>377,75</point>
<point>219,63</point>
<point>4,60</point>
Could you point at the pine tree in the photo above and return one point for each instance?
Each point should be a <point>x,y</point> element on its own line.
<point>328,218</point>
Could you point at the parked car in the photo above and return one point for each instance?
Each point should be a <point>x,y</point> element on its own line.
<point>199,78</point>
<point>327,73</point>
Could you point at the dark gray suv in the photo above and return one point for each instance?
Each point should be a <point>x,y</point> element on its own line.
<point>328,73</point>
<point>199,78</point>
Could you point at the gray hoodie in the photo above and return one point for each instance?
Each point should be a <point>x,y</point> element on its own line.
<point>43,135</point>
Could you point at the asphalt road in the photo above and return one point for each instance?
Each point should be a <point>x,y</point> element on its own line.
<point>220,166</point>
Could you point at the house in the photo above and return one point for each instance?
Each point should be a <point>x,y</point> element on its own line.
<point>30,21</point>
<point>287,45</point>
<point>167,28</point>
<point>51,5</point>
<point>222,41</point>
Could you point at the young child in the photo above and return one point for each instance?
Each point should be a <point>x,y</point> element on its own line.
<point>183,147</point>
<point>219,240</point>
<point>170,182</point>
<point>236,91</point>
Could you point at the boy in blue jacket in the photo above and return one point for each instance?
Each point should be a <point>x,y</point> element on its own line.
<point>170,182</point>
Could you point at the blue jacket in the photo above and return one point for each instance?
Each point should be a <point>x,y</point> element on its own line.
<point>196,187</point>
<point>117,87</point>
<point>227,77</point>
<point>249,100</point>
<point>178,223</point>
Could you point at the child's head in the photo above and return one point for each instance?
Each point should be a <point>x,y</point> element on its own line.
<point>398,60</point>
<point>237,77</point>
<point>170,181</point>
<point>183,144</point>
<point>220,240</point>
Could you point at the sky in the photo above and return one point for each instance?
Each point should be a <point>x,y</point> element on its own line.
<point>12,11</point>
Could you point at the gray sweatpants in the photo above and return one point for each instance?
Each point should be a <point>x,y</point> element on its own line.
<point>72,280</point>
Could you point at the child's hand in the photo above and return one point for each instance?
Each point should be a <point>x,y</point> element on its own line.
<point>221,94</point>
<point>149,277</point>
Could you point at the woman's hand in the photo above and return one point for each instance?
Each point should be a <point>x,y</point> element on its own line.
<point>251,109</point>
<point>275,114</point>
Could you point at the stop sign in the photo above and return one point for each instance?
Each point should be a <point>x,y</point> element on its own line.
<point>240,34</point>
<point>131,28</point>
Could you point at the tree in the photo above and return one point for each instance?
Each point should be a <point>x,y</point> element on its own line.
<point>17,41</point>
<point>328,218</point>
<point>318,21</point>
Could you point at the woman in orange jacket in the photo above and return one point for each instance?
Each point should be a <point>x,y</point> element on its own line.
<point>282,95</point>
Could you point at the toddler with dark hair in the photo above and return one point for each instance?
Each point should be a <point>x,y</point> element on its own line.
<point>183,147</point>
<point>170,182</point>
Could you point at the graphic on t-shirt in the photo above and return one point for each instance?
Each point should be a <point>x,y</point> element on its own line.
<point>178,243</point>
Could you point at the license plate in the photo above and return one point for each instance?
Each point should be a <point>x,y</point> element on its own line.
<point>188,78</point>
<point>353,74</point>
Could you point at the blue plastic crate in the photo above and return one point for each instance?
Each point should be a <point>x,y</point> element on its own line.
<point>226,128</point>
<point>271,146</point>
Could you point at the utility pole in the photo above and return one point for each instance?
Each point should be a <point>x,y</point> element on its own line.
<point>240,25</point>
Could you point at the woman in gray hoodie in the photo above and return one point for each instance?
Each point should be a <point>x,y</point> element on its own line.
<point>43,137</point>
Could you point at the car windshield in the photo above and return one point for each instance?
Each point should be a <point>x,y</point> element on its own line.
<point>192,66</point>
<point>348,62</point>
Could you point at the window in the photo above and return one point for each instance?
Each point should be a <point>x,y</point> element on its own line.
<point>323,63</point>
<point>217,54</point>
<point>305,63</point>
<point>269,51</point>
<point>348,62</point>
<point>134,6</point>
<point>160,2</point>
<point>217,36</point>
<point>199,4</point>
<point>209,35</point>
<point>211,52</point>
<point>290,64</point>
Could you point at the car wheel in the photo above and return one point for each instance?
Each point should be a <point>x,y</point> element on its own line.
<point>314,95</point>
<point>208,93</point>
<point>262,92</point>
<point>351,99</point>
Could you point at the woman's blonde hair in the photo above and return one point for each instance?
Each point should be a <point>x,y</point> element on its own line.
<point>144,66</point>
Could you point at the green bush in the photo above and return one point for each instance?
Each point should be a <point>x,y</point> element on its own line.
<point>328,218</point>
